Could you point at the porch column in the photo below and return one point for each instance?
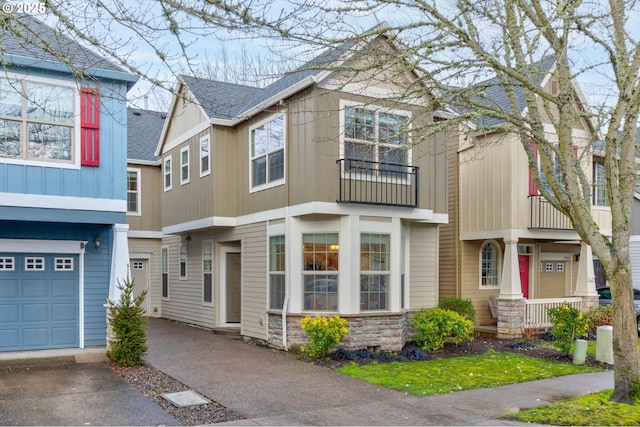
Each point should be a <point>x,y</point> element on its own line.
<point>510,287</point>
<point>586,281</point>
<point>119,261</point>
<point>511,302</point>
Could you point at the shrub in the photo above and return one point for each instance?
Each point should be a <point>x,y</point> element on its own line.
<point>127,322</point>
<point>464,307</point>
<point>324,333</point>
<point>601,315</point>
<point>435,327</point>
<point>568,324</point>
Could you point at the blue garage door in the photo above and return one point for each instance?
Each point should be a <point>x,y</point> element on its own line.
<point>39,306</point>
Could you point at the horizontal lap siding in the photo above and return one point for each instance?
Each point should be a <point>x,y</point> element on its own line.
<point>150,246</point>
<point>423,290</point>
<point>254,280</point>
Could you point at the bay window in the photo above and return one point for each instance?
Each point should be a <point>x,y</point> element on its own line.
<point>276,272</point>
<point>374,271</point>
<point>320,271</point>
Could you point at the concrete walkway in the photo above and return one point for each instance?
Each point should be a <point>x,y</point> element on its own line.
<point>269,387</point>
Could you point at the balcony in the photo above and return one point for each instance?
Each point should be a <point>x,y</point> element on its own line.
<point>376,183</point>
<point>543,216</point>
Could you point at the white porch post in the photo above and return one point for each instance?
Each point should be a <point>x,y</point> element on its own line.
<point>586,282</point>
<point>510,287</point>
<point>119,261</point>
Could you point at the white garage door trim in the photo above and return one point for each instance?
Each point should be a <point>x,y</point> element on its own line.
<point>54,247</point>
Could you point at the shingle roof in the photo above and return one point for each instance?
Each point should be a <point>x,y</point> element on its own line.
<point>222,100</point>
<point>143,132</point>
<point>26,36</point>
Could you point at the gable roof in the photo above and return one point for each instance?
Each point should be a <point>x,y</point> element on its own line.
<point>143,132</point>
<point>26,41</point>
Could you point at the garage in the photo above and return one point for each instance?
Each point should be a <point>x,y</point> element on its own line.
<point>39,301</point>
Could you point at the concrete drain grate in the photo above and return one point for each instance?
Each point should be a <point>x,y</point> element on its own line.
<point>185,398</point>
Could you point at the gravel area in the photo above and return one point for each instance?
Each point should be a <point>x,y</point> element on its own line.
<point>153,383</point>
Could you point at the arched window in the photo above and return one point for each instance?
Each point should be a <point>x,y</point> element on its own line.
<point>489,264</point>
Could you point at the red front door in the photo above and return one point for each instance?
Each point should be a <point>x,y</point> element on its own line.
<point>523,263</point>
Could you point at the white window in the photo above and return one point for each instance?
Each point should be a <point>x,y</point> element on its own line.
<point>276,272</point>
<point>63,264</point>
<point>549,267</point>
<point>374,271</point>
<point>205,156</point>
<point>34,264</point>
<point>167,173</point>
<point>600,194</point>
<point>164,259</point>
<point>184,166</point>
<point>267,153</point>
<point>560,267</point>
<point>376,139</point>
<point>133,191</point>
<point>138,265</point>
<point>182,259</point>
<point>320,271</point>
<point>41,125</point>
<point>489,264</point>
<point>207,271</point>
<point>7,263</point>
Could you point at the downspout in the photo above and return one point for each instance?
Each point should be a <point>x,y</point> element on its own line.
<point>284,322</point>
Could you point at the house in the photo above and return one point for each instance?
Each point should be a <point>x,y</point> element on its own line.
<point>302,198</point>
<point>63,148</point>
<point>503,238</point>
<point>144,211</point>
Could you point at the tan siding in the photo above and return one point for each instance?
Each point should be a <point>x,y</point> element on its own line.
<point>150,218</point>
<point>151,247</point>
<point>470,252</point>
<point>186,116</point>
<point>254,280</point>
<point>423,290</point>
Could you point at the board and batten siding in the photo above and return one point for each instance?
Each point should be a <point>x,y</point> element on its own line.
<point>150,215</point>
<point>423,285</point>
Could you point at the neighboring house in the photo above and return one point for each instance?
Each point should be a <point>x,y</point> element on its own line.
<point>302,198</point>
<point>506,240</point>
<point>144,212</point>
<point>63,148</point>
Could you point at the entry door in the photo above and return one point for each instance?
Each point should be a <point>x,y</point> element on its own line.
<point>523,263</point>
<point>233,287</point>
<point>140,273</point>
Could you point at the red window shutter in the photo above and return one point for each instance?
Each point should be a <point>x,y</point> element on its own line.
<point>533,190</point>
<point>89,127</point>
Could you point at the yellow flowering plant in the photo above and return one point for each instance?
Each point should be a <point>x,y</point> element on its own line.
<point>324,333</point>
<point>568,324</point>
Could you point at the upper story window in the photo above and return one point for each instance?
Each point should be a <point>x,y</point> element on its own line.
<point>133,191</point>
<point>205,157</point>
<point>267,141</point>
<point>184,166</point>
<point>167,173</point>
<point>37,121</point>
<point>378,136</point>
<point>600,194</point>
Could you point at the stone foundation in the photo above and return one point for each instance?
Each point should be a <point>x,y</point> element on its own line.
<point>111,335</point>
<point>510,318</point>
<point>387,332</point>
<point>589,302</point>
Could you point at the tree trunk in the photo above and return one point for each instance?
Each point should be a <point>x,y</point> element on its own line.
<point>625,336</point>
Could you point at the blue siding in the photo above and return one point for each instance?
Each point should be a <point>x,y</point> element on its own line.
<point>106,181</point>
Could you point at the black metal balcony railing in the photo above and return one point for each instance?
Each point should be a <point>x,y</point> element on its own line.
<point>377,183</point>
<point>542,215</point>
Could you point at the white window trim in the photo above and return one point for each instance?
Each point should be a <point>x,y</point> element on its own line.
<point>204,173</point>
<point>75,163</point>
<point>186,164</point>
<point>164,251</point>
<point>167,160</point>
<point>8,260</point>
<point>498,267</point>
<point>138,172</point>
<point>204,243</point>
<point>61,264</point>
<point>186,262</point>
<point>279,182</point>
<point>376,273</point>
<point>376,109</point>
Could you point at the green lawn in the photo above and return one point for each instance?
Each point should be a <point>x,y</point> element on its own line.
<point>461,373</point>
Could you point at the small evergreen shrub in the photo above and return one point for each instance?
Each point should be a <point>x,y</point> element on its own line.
<point>463,307</point>
<point>435,327</point>
<point>127,322</point>
<point>601,315</point>
<point>324,333</point>
<point>568,324</point>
